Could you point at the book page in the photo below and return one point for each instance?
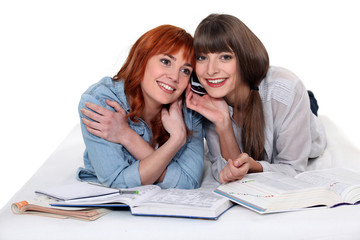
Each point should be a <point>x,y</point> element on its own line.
<point>188,198</point>
<point>144,192</point>
<point>340,180</point>
<point>273,182</point>
<point>259,190</point>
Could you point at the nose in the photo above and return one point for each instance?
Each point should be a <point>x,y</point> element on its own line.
<point>212,67</point>
<point>173,74</point>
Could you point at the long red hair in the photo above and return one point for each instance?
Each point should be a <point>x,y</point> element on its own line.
<point>165,39</point>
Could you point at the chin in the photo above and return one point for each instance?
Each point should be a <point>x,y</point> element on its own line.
<point>216,93</point>
<point>166,101</point>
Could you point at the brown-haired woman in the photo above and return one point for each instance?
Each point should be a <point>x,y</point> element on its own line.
<point>259,117</point>
<point>135,126</point>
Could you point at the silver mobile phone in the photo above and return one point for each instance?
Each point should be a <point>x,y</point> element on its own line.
<point>196,85</point>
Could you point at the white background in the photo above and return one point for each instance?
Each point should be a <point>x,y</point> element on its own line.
<point>51,51</point>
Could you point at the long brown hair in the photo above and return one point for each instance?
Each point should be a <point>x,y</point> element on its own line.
<point>226,33</point>
<point>165,39</point>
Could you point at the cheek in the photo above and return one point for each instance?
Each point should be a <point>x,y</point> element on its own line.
<point>200,68</point>
<point>233,71</point>
<point>204,84</point>
<point>184,81</point>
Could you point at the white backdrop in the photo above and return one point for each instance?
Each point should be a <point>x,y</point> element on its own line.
<point>51,51</point>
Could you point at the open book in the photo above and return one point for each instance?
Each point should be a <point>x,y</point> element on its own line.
<point>143,200</point>
<point>269,192</point>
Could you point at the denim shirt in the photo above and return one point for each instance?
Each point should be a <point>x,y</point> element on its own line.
<point>112,165</point>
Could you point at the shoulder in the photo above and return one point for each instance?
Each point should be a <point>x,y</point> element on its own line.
<point>105,84</point>
<point>106,88</point>
<point>280,84</point>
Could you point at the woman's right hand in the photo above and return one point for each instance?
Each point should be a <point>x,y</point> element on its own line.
<point>104,123</point>
<point>215,110</point>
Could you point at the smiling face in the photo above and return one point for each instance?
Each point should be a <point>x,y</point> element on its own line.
<point>218,73</point>
<point>165,79</point>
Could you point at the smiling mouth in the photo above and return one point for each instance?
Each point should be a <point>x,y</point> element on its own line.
<point>166,88</point>
<point>216,82</point>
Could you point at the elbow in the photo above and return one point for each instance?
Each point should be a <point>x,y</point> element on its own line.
<point>189,182</point>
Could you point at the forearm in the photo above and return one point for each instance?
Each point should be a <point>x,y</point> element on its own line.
<point>228,144</point>
<point>153,167</point>
<point>149,169</point>
<point>136,145</point>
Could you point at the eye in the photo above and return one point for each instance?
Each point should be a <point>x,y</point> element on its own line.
<point>165,61</point>
<point>186,71</point>
<point>200,58</point>
<point>226,57</point>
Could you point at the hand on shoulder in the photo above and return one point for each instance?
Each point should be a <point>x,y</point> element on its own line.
<point>104,123</point>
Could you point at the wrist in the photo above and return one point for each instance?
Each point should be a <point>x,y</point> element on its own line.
<point>178,139</point>
<point>224,124</point>
<point>127,137</point>
<point>255,167</point>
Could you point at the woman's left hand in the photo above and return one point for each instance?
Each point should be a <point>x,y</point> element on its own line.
<point>173,121</point>
<point>236,169</point>
<point>109,125</point>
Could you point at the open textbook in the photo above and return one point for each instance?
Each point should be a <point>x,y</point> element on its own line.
<point>143,200</point>
<point>270,192</point>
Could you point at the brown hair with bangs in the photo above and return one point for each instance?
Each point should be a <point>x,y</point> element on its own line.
<point>165,39</point>
<point>226,33</point>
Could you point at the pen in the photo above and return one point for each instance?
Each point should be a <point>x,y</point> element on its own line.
<point>121,191</point>
<point>128,191</point>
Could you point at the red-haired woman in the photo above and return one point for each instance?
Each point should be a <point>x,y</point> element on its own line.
<point>135,126</point>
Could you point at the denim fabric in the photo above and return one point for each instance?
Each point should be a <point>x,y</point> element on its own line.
<point>112,165</point>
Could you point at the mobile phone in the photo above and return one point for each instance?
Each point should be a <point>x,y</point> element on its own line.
<point>196,85</point>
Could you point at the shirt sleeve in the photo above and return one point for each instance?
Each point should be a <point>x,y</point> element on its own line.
<point>292,136</point>
<point>214,152</point>
<point>108,161</point>
<point>186,168</point>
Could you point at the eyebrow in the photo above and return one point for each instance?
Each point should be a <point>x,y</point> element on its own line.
<point>174,58</point>
<point>171,56</point>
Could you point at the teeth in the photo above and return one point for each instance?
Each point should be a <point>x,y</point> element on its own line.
<point>216,81</point>
<point>166,86</point>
